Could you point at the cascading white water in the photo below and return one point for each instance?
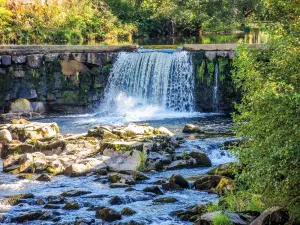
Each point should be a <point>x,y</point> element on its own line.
<point>150,81</point>
<point>216,89</point>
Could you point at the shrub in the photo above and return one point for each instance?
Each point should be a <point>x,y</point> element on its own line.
<point>221,219</point>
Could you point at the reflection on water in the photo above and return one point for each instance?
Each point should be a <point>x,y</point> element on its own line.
<point>253,37</point>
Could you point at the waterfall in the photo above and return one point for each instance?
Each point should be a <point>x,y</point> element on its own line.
<point>216,88</point>
<point>149,80</point>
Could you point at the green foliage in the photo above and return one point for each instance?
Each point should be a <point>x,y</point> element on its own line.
<point>190,17</point>
<point>269,115</point>
<point>143,157</point>
<point>66,22</point>
<point>221,219</point>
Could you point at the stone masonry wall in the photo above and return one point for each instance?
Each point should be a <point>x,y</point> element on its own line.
<point>55,79</point>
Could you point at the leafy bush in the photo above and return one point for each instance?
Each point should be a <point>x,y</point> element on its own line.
<point>269,115</point>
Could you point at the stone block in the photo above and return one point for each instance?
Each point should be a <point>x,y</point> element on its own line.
<point>19,59</point>
<point>35,61</point>
<point>6,60</point>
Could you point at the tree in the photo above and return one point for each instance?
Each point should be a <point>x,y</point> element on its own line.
<point>269,115</point>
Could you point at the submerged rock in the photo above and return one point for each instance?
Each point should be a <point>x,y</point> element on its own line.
<point>71,206</point>
<point>128,211</point>
<point>114,178</point>
<point>108,214</point>
<point>44,177</point>
<point>190,128</point>
<point>178,179</point>
<point>165,200</point>
<point>182,164</point>
<point>116,200</point>
<point>138,176</point>
<point>153,189</point>
<point>200,157</point>
<point>16,199</point>
<point>75,193</point>
<point>33,215</point>
<point>119,185</point>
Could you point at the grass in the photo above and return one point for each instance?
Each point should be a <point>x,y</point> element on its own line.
<point>221,219</point>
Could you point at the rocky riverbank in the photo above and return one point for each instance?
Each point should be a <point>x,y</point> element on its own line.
<point>129,174</point>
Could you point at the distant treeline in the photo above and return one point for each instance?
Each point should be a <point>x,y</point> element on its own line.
<point>82,21</point>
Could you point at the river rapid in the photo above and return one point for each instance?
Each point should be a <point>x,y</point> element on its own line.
<point>99,193</point>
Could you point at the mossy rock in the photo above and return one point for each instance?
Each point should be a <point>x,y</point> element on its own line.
<point>228,170</point>
<point>123,146</point>
<point>28,176</point>
<point>165,200</point>
<point>71,206</point>
<point>128,211</point>
<point>14,200</point>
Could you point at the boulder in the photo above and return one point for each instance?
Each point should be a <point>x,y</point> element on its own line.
<point>34,131</point>
<point>200,157</point>
<point>71,206</point>
<point>38,107</point>
<point>5,136</point>
<point>207,182</point>
<point>171,187</point>
<point>157,161</point>
<point>84,166</point>
<point>138,176</point>
<point>123,160</point>
<point>102,132</point>
<point>74,193</point>
<point>114,178</point>
<point>35,61</point>
<point>181,164</point>
<point>214,183</point>
<point>272,216</point>
<point>16,199</point>
<point>32,215</point>
<point>207,218</point>
<point>20,105</point>
<point>190,129</point>
<point>192,213</point>
<point>108,214</point>
<point>44,177</point>
<point>228,170</point>
<point>153,189</point>
<point>56,199</point>
<point>128,211</point>
<point>179,180</point>
<point>116,200</point>
<point>35,162</point>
